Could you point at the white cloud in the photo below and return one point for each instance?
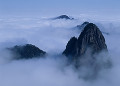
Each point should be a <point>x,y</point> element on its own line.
<point>51,36</point>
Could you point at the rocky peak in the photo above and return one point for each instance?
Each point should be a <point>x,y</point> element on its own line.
<point>90,37</point>
<point>64,17</point>
<point>85,51</point>
<point>26,51</point>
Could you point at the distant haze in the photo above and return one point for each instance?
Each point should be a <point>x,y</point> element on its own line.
<point>108,8</point>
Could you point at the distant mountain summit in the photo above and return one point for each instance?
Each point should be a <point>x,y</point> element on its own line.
<point>82,26</point>
<point>64,17</point>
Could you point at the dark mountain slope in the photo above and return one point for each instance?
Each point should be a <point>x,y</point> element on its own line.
<point>26,51</point>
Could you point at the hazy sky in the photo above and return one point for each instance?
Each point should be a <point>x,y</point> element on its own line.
<point>50,7</point>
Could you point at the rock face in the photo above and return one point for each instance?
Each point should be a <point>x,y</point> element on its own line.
<point>26,51</point>
<point>64,17</point>
<point>71,47</point>
<point>90,37</point>
<point>84,51</point>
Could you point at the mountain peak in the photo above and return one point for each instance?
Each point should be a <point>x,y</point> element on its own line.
<point>26,51</point>
<point>82,26</point>
<point>91,37</point>
<point>64,17</point>
<point>85,50</point>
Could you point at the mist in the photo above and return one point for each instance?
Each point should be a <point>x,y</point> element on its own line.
<point>52,36</point>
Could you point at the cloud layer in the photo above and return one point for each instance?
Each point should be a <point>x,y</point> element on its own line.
<point>52,36</point>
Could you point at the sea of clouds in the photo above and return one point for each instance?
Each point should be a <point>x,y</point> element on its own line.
<point>52,37</point>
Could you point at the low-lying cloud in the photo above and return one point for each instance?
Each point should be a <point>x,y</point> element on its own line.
<point>52,37</point>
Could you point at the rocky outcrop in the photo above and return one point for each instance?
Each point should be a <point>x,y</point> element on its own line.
<point>84,51</point>
<point>90,37</point>
<point>64,17</point>
<point>26,51</point>
<point>70,50</point>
